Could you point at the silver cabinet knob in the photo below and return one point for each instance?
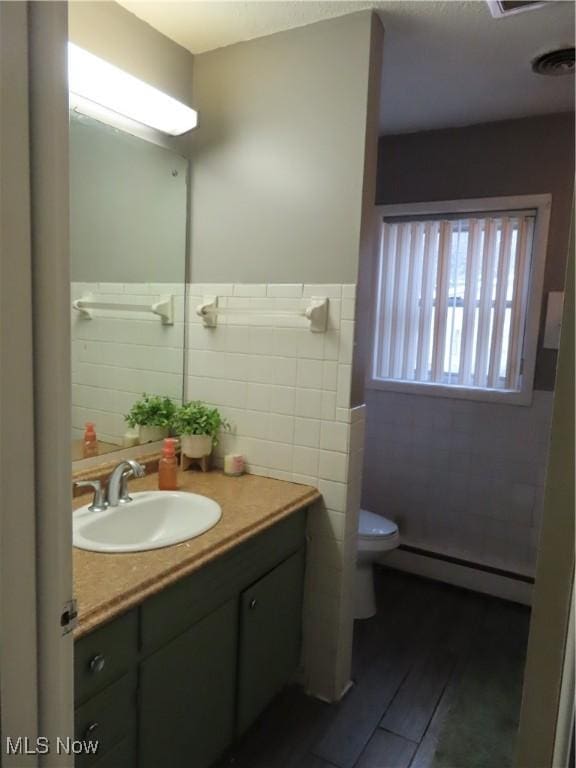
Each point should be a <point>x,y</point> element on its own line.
<point>97,663</point>
<point>253,603</point>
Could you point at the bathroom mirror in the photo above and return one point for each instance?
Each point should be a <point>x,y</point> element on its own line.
<point>128,221</point>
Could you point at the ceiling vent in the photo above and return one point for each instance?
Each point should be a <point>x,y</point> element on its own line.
<point>501,8</point>
<point>555,63</point>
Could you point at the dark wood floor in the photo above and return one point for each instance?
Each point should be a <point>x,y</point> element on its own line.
<point>409,663</point>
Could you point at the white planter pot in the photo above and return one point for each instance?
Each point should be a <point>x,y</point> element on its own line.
<point>152,434</point>
<point>196,446</point>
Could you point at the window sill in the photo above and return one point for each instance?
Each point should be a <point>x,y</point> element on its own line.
<point>453,392</point>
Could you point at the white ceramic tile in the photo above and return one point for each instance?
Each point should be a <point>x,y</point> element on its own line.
<point>334,436</point>
<point>346,341</point>
<point>304,479</point>
<point>286,342</point>
<point>307,432</point>
<point>330,375</point>
<point>258,397</point>
<point>281,428</point>
<point>285,369</point>
<point>329,410</point>
<point>285,290</point>
<point>237,338</point>
<point>344,385</point>
<point>308,403</point>
<point>111,287</point>
<point>138,288</point>
<point>348,309</point>
<point>349,291</point>
<point>334,494</point>
<point>253,424</point>
<point>252,290</point>
<point>334,313</point>
<point>311,345</point>
<point>310,374</point>
<point>331,291</point>
<point>261,369</point>
<point>215,289</point>
<point>260,341</point>
<point>283,400</point>
<point>305,461</point>
<point>331,345</point>
<point>332,466</point>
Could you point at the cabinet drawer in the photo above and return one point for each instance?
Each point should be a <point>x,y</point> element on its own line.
<point>105,655</point>
<point>107,718</point>
<point>171,612</point>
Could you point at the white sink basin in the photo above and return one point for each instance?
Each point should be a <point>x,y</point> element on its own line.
<point>153,519</point>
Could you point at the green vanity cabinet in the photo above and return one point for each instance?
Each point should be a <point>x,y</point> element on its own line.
<point>108,718</point>
<point>172,682</point>
<point>187,694</point>
<point>270,637</point>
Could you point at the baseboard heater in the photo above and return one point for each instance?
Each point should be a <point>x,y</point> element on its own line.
<point>467,563</point>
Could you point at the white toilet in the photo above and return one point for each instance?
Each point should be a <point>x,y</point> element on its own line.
<point>376,534</point>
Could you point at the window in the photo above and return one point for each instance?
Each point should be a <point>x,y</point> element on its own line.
<point>457,297</point>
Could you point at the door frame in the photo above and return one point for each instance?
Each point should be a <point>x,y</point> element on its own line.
<point>18,626</point>
<point>36,654</point>
<point>540,744</point>
<point>48,57</point>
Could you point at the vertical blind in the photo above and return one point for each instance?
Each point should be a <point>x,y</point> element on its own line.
<point>452,300</point>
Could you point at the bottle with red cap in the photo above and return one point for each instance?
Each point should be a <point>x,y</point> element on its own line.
<point>168,466</point>
<point>90,444</point>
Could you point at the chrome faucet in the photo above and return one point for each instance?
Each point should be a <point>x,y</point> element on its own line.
<point>117,491</point>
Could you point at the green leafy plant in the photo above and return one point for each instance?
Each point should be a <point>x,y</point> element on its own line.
<point>151,411</point>
<point>195,418</point>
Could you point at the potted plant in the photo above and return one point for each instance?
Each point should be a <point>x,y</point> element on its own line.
<point>197,425</point>
<point>152,415</point>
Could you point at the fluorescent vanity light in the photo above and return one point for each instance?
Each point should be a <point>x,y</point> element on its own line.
<point>96,81</point>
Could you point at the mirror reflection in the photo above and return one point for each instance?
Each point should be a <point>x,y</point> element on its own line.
<point>128,219</point>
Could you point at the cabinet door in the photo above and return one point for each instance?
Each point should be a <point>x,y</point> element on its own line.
<point>270,637</point>
<point>187,694</point>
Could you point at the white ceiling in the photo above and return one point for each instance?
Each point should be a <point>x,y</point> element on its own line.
<point>445,63</point>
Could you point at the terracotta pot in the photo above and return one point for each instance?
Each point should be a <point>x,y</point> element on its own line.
<point>196,446</point>
<point>152,434</point>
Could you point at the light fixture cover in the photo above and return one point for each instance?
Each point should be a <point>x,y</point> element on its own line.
<point>101,83</point>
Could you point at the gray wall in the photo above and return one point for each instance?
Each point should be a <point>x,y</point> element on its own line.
<point>513,157</point>
<point>279,155</point>
<point>128,204</point>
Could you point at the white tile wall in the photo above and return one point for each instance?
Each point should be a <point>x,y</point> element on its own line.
<point>286,392</point>
<point>116,355</point>
<point>460,477</point>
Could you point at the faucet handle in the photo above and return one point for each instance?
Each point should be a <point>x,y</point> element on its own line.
<point>99,504</point>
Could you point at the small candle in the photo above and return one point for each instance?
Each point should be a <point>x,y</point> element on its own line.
<point>234,464</point>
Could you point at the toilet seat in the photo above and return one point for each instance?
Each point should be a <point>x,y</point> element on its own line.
<point>372,526</point>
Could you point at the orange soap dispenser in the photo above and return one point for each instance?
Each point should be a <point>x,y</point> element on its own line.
<point>168,466</point>
<point>90,441</point>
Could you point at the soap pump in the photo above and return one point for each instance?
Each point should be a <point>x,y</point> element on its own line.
<point>90,441</point>
<point>168,466</point>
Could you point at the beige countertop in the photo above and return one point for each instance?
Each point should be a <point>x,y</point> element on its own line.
<point>106,585</point>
